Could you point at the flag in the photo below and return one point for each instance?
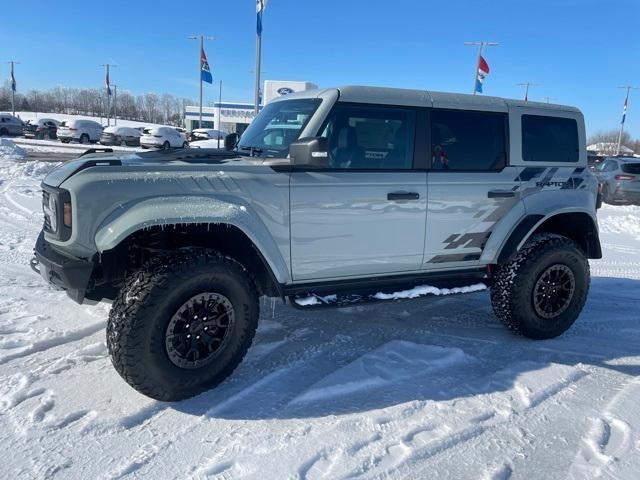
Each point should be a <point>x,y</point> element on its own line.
<point>107,83</point>
<point>260,6</point>
<point>483,71</point>
<point>205,72</point>
<point>624,111</point>
<point>13,80</point>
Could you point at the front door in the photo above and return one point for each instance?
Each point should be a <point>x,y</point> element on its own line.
<point>366,213</point>
<point>470,185</point>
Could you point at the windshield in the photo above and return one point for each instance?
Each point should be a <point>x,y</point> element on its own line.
<point>277,126</point>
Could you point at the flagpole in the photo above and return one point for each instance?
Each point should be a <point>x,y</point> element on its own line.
<point>624,114</point>
<point>108,99</point>
<point>115,104</point>
<point>258,62</point>
<point>13,91</point>
<point>260,6</point>
<point>13,86</point>
<point>526,90</point>
<point>202,38</point>
<point>481,46</point>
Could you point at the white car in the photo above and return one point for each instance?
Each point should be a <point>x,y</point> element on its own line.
<point>83,131</point>
<point>207,134</point>
<point>163,137</point>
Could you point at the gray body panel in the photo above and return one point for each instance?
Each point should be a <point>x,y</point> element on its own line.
<point>323,226</point>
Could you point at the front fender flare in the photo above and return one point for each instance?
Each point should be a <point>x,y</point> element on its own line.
<point>182,210</point>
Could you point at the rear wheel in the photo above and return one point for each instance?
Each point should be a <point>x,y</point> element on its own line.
<point>185,145</point>
<point>3,131</point>
<point>84,138</point>
<point>541,291</point>
<point>166,146</point>
<point>182,324</point>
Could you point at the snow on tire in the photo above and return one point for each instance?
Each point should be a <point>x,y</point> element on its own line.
<point>540,292</point>
<point>182,323</point>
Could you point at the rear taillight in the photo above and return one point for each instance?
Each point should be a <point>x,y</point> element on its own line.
<point>625,177</point>
<point>73,129</point>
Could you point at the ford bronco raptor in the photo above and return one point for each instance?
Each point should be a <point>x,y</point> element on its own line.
<point>333,191</point>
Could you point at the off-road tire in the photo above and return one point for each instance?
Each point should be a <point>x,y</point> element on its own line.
<point>514,282</point>
<point>142,310</point>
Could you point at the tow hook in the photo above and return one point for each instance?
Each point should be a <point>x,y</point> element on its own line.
<point>35,265</point>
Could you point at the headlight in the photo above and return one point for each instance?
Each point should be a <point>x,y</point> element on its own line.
<point>51,212</point>
<point>56,204</point>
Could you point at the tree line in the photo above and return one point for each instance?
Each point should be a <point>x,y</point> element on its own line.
<point>610,138</point>
<point>149,107</point>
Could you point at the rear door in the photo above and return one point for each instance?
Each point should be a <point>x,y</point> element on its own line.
<point>470,185</point>
<point>366,213</point>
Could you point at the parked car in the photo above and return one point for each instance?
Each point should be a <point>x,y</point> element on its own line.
<point>371,190</point>
<point>79,130</point>
<point>41,128</point>
<point>121,136</point>
<point>619,179</point>
<point>10,125</point>
<point>206,134</point>
<point>163,137</point>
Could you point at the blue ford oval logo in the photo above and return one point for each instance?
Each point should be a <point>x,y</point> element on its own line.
<point>284,91</point>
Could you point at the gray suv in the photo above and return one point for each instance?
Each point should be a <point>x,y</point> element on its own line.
<point>343,191</point>
<point>10,125</point>
<point>619,179</point>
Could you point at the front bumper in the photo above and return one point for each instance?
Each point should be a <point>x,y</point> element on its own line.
<point>62,271</point>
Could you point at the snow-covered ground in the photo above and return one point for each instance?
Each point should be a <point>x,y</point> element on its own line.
<point>432,388</point>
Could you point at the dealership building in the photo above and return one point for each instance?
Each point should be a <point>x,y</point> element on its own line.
<point>235,116</point>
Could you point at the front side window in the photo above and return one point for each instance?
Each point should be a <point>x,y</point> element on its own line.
<point>370,137</point>
<point>277,126</point>
<point>549,139</point>
<point>464,140</point>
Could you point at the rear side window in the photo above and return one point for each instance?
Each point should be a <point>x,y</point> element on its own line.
<point>631,168</point>
<point>549,139</point>
<point>464,140</point>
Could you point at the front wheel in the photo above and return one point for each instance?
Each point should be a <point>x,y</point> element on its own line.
<point>542,290</point>
<point>182,323</point>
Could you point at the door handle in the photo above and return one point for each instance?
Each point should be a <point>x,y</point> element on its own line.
<point>501,193</point>
<point>403,196</point>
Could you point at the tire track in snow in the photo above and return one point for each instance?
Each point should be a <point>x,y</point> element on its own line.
<point>62,338</point>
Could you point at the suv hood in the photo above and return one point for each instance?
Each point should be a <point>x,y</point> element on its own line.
<point>177,158</point>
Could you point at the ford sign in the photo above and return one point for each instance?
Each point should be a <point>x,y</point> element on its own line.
<point>284,91</point>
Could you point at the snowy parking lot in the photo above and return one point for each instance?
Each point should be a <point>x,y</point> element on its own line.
<point>432,388</point>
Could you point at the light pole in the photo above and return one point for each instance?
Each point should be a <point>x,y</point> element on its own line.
<point>107,84</point>
<point>202,38</point>
<point>624,114</point>
<point>526,89</point>
<point>481,44</point>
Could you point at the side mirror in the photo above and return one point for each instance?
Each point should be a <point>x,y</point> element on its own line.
<point>231,141</point>
<point>310,151</point>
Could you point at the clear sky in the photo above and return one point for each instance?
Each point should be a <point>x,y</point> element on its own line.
<point>579,51</point>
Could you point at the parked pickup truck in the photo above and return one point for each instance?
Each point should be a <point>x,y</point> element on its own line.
<point>331,191</point>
